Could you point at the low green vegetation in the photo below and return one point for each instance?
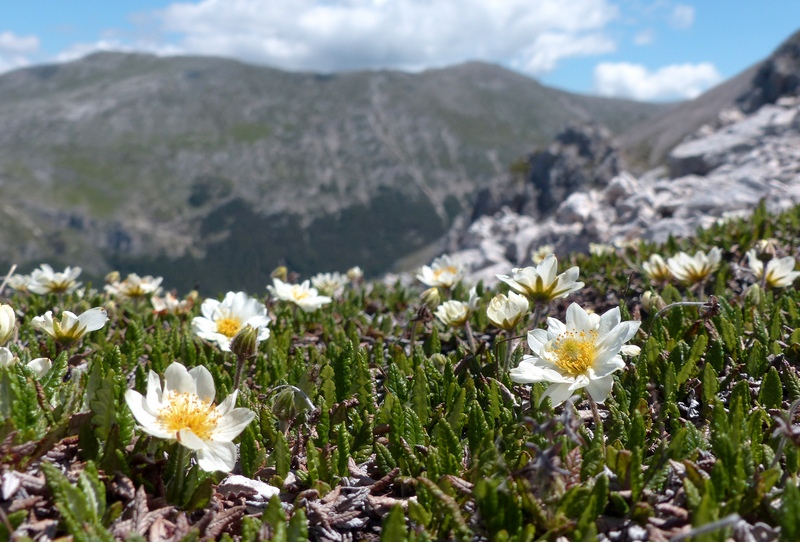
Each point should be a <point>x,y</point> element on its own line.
<point>377,422</point>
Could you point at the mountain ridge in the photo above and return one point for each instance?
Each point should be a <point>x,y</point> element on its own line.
<point>126,159</point>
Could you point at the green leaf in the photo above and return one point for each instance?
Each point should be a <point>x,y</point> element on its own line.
<point>394,526</point>
<point>771,395</point>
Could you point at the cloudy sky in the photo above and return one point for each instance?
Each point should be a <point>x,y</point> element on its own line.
<point>642,49</point>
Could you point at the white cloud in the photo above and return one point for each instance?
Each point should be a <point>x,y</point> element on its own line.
<point>15,50</point>
<point>406,34</point>
<point>677,81</point>
<point>645,37</point>
<point>13,44</point>
<point>682,16</point>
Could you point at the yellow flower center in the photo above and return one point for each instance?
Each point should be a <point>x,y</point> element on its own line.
<point>442,270</point>
<point>188,411</point>
<point>301,294</point>
<point>576,352</point>
<point>229,326</point>
<point>134,291</point>
<point>59,287</point>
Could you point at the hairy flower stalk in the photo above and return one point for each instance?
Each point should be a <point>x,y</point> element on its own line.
<point>245,346</point>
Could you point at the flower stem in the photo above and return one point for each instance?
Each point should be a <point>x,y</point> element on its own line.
<point>470,337</point>
<point>238,375</point>
<point>537,314</point>
<point>175,493</point>
<point>598,423</point>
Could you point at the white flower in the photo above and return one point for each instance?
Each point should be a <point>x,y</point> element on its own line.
<point>541,253</point>
<point>71,327</point>
<point>302,295</point>
<point>39,366</point>
<point>330,284</point>
<point>506,312</point>
<point>221,321</point>
<point>19,282</point>
<point>8,323</point>
<point>780,272</point>
<point>170,304</point>
<point>656,269</point>
<point>184,411</point>
<point>600,249</point>
<point>694,269</point>
<point>583,353</point>
<point>457,313</point>
<point>46,281</point>
<point>444,272</point>
<point>355,273</point>
<point>540,284</point>
<point>135,287</point>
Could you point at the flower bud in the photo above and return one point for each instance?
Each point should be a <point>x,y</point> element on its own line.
<point>280,273</point>
<point>431,297</point>
<point>112,277</point>
<point>355,274</point>
<point>245,343</point>
<point>652,302</point>
<point>8,322</point>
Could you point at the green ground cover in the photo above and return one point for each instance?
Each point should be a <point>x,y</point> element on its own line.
<point>397,427</point>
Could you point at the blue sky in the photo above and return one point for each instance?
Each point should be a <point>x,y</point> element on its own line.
<point>641,49</point>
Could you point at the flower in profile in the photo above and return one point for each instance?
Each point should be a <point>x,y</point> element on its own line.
<point>39,366</point>
<point>778,273</point>
<point>444,272</point>
<point>18,282</point>
<point>45,280</point>
<point>431,297</point>
<point>540,284</point>
<point>456,313</point>
<point>184,410</point>
<point>601,249</point>
<point>656,269</point>
<point>171,304</point>
<point>302,295</point>
<point>330,284</point>
<point>222,320</point>
<point>541,253</point>
<point>71,328</point>
<point>8,323</point>
<point>694,269</point>
<point>135,287</point>
<point>581,353</point>
<point>506,312</point>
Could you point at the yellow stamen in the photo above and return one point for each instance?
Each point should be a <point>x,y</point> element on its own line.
<point>439,272</point>
<point>188,411</point>
<point>576,352</point>
<point>229,326</point>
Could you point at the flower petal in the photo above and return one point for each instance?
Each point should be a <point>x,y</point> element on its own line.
<point>600,388</point>
<point>93,319</point>
<point>204,383</point>
<point>231,424</point>
<point>190,440</point>
<point>217,456</point>
<point>143,416</point>
<point>177,378</point>
<point>558,393</point>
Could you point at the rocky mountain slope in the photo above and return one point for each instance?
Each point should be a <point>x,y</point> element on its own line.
<point>210,170</point>
<point>716,175</point>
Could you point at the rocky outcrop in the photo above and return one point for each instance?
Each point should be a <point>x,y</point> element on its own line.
<point>581,156</point>
<point>716,175</point>
<point>777,77</point>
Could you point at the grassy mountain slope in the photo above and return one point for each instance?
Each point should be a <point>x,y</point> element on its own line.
<point>126,158</point>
